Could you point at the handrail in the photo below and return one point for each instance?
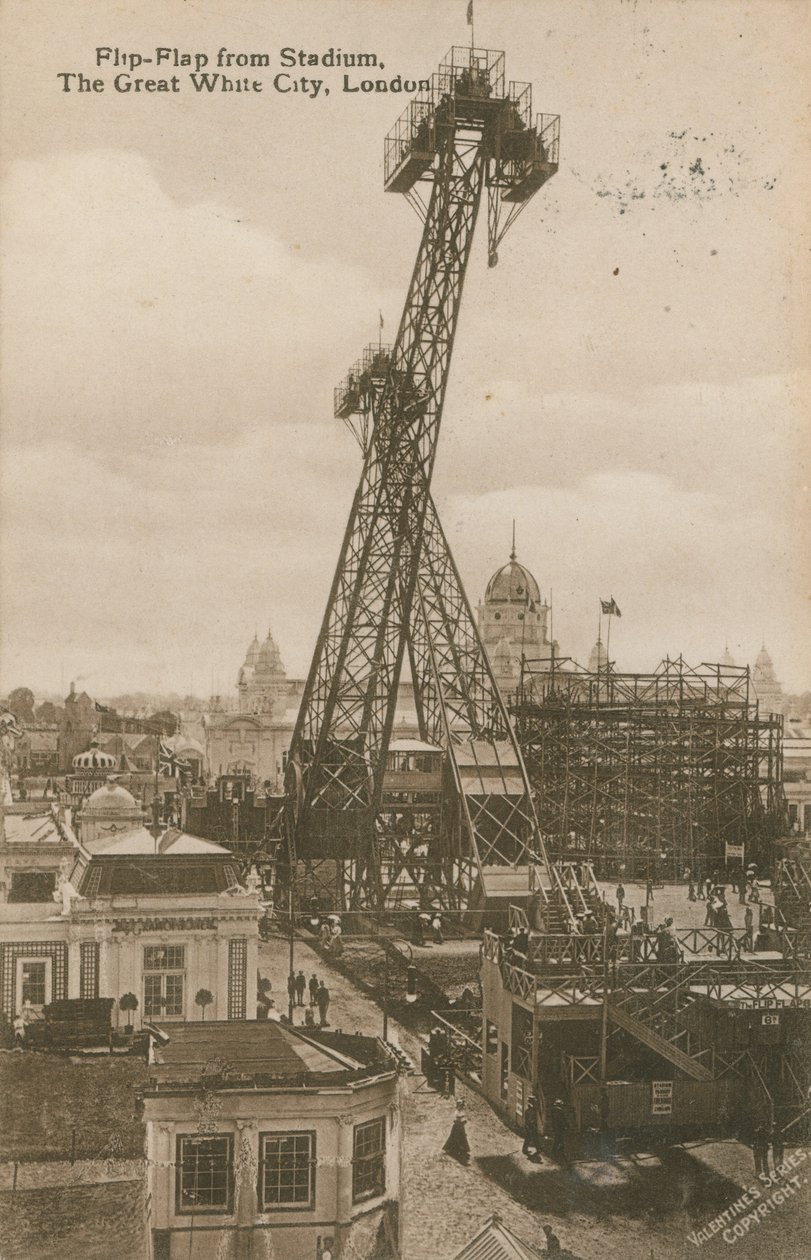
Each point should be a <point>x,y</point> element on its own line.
<point>562,891</point>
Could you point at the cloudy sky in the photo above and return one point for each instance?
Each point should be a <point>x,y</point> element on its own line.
<point>185,278</point>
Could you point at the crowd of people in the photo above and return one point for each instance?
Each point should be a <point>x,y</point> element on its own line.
<point>313,995</point>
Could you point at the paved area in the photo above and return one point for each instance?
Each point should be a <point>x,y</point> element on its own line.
<point>634,1208</point>
<point>671,901</point>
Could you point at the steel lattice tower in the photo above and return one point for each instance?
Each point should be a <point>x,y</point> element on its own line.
<point>396,587</point>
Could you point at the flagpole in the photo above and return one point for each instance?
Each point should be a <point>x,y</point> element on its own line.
<point>608,646</point>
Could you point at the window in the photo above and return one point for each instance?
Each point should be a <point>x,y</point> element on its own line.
<point>34,983</point>
<point>204,1174</point>
<point>31,886</point>
<point>287,1170</point>
<point>164,957</point>
<point>163,980</point>
<point>369,1160</point>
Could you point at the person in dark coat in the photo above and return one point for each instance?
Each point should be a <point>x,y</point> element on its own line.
<point>291,988</point>
<point>457,1145</point>
<point>553,1247</point>
<point>531,1140</point>
<point>558,1122</point>
<point>322,997</point>
<point>301,985</point>
<point>760,1150</point>
<point>314,983</point>
<point>778,1150</point>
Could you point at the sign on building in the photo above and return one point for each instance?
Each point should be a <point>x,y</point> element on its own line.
<point>661,1098</point>
<point>734,852</point>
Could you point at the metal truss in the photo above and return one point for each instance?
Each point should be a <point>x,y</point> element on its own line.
<point>396,585</point>
<point>627,768</point>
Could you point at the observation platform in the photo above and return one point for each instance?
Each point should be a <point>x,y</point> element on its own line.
<point>468,92</point>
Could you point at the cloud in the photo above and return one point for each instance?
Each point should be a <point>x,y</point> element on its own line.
<point>138,316</point>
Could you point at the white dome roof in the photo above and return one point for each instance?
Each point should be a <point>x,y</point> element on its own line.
<point>111,801</point>
<point>94,759</point>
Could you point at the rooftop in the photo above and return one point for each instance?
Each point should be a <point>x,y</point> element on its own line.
<point>158,874</point>
<point>265,1052</point>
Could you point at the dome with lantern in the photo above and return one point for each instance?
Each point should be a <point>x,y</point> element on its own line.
<point>94,759</point>
<point>512,584</point>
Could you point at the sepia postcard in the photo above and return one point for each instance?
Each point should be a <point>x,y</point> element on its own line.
<point>405,670</point>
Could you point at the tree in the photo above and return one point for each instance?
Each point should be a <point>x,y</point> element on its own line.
<point>128,1002</point>
<point>49,712</point>
<point>21,703</point>
<point>203,998</point>
<point>165,720</point>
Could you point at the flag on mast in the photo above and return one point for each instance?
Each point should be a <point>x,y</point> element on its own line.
<point>470,12</point>
<point>169,763</point>
<point>610,607</point>
<point>380,313</point>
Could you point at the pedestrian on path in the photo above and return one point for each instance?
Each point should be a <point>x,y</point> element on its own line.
<point>691,891</point>
<point>457,1145</point>
<point>648,891</point>
<point>558,1120</point>
<point>291,988</point>
<point>553,1247</point>
<point>322,997</point>
<point>760,1150</point>
<point>531,1141</point>
<point>301,985</point>
<point>436,927</point>
<point>313,989</point>
<point>748,923</point>
<point>620,897</point>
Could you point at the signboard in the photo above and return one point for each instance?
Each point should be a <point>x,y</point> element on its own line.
<point>734,852</point>
<point>662,1098</point>
<point>770,1021</point>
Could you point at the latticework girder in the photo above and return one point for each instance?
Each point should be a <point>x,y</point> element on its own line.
<point>630,767</point>
<point>395,585</point>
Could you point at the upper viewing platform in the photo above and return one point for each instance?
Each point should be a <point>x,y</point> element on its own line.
<point>468,92</point>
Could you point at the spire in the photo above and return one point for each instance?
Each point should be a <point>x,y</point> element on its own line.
<point>513,552</point>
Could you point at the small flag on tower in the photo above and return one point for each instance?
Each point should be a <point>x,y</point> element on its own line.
<point>380,313</point>
<point>470,12</point>
<point>610,607</point>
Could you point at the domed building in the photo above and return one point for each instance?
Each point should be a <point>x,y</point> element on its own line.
<point>768,689</point>
<point>107,813</point>
<point>513,622</point>
<point>262,681</point>
<point>598,658</point>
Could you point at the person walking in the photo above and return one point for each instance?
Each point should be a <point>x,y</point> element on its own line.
<point>531,1140</point>
<point>620,898</point>
<point>457,1145</point>
<point>553,1247</point>
<point>691,890</point>
<point>748,923</point>
<point>313,989</point>
<point>558,1120</point>
<point>436,927</point>
<point>648,891</point>
<point>301,985</point>
<point>322,997</point>
<point>291,988</point>
<point>760,1150</point>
